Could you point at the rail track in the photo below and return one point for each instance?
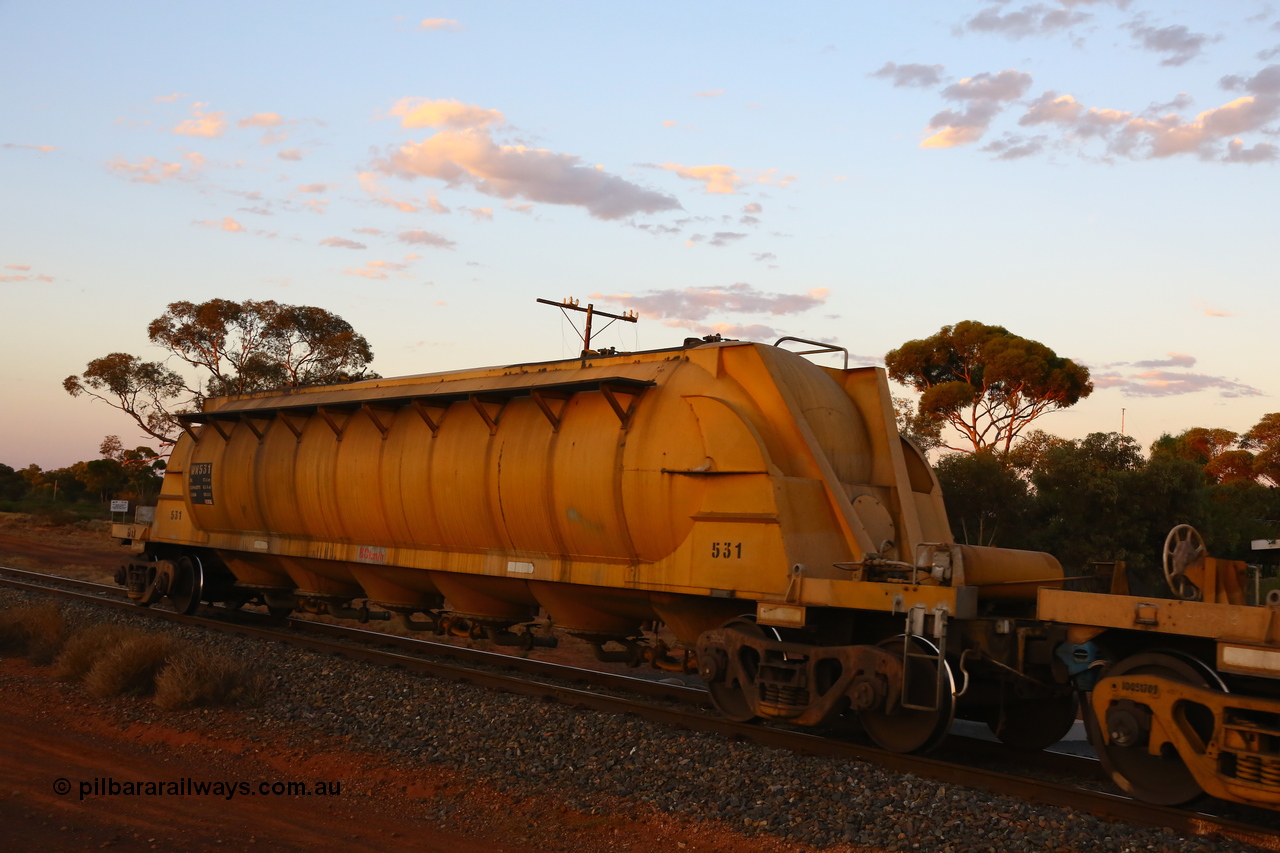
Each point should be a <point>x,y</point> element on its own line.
<point>674,705</point>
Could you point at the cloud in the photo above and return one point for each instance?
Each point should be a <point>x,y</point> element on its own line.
<point>1261,152</point>
<point>710,93</point>
<point>378,269</point>
<point>753,208</point>
<point>733,331</point>
<point>1014,146</point>
<point>1164,383</point>
<point>227,224</point>
<point>208,125</point>
<point>1067,112</point>
<point>1265,82</point>
<point>293,154</point>
<point>763,257</point>
<point>1178,103</point>
<point>1175,359</point>
<point>149,170</point>
<point>718,239</point>
<point>420,112</point>
<point>448,25</point>
<point>1005,86</point>
<point>317,205</point>
<point>1169,135</point>
<point>342,243</point>
<point>369,183</point>
<point>720,179</point>
<point>696,303</point>
<point>715,179</point>
<point>526,209</point>
<point>374,231</point>
<point>43,149</point>
<point>261,120</point>
<point>314,188</point>
<point>24,268</point>
<point>670,123</point>
<point>910,74</point>
<point>1177,41</point>
<point>426,238</point>
<point>471,157</point>
<point>481,214</point>
<point>1032,20</point>
<point>169,98</point>
<point>1158,132</point>
<point>986,95</point>
<point>1272,53</point>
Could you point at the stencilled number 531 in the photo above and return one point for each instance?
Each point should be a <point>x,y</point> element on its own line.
<point>725,550</point>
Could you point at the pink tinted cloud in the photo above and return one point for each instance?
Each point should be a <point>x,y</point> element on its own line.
<point>208,125</point>
<point>472,158</point>
<point>261,120</point>
<point>985,96</point>
<point>697,303</point>
<point>448,25</point>
<point>426,238</point>
<point>719,179</point>
<point>150,170</point>
<point>448,113</point>
<point>342,243</point>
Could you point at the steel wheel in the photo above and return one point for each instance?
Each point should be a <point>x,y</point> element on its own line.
<point>1182,547</point>
<point>728,695</point>
<point>907,730</point>
<point>187,587</point>
<point>1161,779</point>
<point>1034,724</point>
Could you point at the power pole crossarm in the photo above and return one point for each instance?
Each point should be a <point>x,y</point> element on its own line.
<point>571,304</point>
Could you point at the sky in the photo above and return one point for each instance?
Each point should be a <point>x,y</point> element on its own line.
<point>1098,176</point>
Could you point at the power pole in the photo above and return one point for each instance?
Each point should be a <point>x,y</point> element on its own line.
<point>571,304</point>
<point>1122,421</point>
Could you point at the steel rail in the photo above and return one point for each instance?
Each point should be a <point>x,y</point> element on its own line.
<point>1098,803</point>
<point>644,686</point>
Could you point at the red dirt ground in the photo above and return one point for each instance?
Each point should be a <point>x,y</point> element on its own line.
<point>51,731</point>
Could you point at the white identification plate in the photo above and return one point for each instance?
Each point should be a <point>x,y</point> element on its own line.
<point>519,567</point>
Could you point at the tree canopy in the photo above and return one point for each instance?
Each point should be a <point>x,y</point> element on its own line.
<point>984,381</point>
<point>1100,499</point>
<point>232,348</point>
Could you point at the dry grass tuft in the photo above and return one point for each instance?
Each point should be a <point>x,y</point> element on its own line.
<point>196,677</point>
<point>83,648</point>
<point>35,630</point>
<point>130,666</point>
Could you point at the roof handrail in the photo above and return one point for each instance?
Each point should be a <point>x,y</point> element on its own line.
<point>822,347</point>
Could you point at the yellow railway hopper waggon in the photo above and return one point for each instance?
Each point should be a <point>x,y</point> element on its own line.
<point>764,508</point>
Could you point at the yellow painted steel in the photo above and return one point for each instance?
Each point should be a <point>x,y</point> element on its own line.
<point>704,472</point>
<point>1252,775</point>
<point>1232,622</point>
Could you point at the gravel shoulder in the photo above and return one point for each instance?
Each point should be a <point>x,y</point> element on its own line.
<point>504,772</point>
